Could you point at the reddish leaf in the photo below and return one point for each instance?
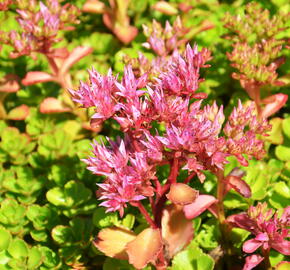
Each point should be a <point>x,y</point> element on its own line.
<point>9,84</point>
<point>52,105</point>
<point>19,113</point>
<point>182,194</point>
<point>76,54</point>
<point>34,77</point>
<point>113,241</point>
<point>177,231</point>
<point>145,248</point>
<point>239,185</point>
<point>273,104</point>
<point>201,203</point>
<point>94,6</point>
<point>165,8</point>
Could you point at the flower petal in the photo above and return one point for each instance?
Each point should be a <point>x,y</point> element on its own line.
<point>251,245</point>
<point>252,261</point>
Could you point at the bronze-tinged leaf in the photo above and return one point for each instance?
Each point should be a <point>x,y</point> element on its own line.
<point>112,242</point>
<point>182,194</point>
<point>145,248</point>
<point>52,105</point>
<point>177,230</point>
<point>19,113</point>
<point>33,77</point>
<point>202,203</point>
<point>9,83</point>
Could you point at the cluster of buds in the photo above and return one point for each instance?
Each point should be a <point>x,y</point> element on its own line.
<point>256,53</point>
<point>270,230</point>
<point>192,141</point>
<point>164,41</point>
<point>40,26</point>
<point>4,4</point>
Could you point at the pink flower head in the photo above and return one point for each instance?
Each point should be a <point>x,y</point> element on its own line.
<point>127,173</point>
<point>99,94</point>
<point>40,25</point>
<point>270,230</point>
<point>182,78</point>
<point>242,141</point>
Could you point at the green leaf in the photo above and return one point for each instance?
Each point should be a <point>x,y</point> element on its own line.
<point>101,219</point>
<point>234,200</point>
<point>118,265</point>
<point>275,135</point>
<point>50,259</point>
<point>286,127</point>
<point>128,221</point>
<point>5,239</point>
<point>62,235</point>
<point>258,178</point>
<point>238,236</point>
<point>5,257</point>
<point>34,258</point>
<point>276,257</point>
<point>73,194</point>
<point>282,152</point>
<point>207,237</point>
<point>18,249</point>
<point>192,258</point>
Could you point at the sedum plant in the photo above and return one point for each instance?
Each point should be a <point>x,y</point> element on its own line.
<point>165,124</point>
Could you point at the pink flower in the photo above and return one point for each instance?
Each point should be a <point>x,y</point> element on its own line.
<point>182,77</point>
<point>99,94</point>
<point>242,141</point>
<point>270,230</point>
<point>127,173</point>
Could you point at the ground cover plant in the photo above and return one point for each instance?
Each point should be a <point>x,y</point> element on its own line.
<point>144,134</point>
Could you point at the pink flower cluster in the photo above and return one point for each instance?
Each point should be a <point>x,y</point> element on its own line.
<point>193,137</point>
<point>271,231</point>
<point>40,26</point>
<point>127,173</point>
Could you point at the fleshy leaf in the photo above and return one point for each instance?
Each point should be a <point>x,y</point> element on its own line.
<point>239,185</point>
<point>284,265</point>
<point>177,231</point>
<point>33,77</point>
<point>182,194</point>
<point>192,258</point>
<point>94,6</point>
<point>273,104</point>
<point>19,113</point>
<point>52,105</point>
<point>113,241</point>
<point>9,84</point>
<point>202,203</point>
<point>145,248</point>
<point>76,54</point>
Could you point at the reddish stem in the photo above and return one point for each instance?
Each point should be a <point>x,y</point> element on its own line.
<point>159,205</point>
<point>188,178</point>
<point>144,213</point>
<point>266,261</point>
